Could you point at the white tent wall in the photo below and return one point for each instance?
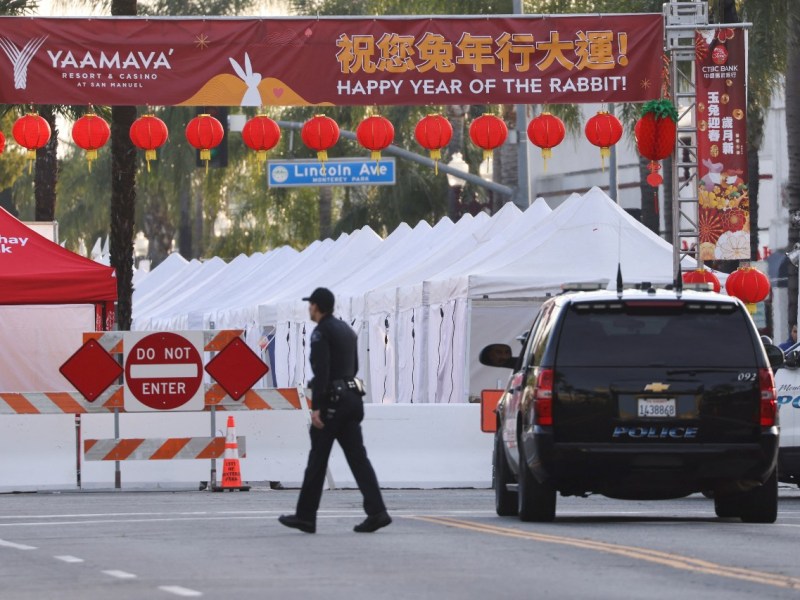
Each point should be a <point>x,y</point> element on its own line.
<point>338,275</point>
<point>446,352</point>
<point>495,321</point>
<point>37,340</point>
<point>397,299</point>
<point>410,356</point>
<point>337,265</point>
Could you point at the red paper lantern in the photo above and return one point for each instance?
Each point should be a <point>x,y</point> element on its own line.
<point>655,135</point>
<point>702,276</point>
<point>375,133</point>
<point>205,132</point>
<point>261,134</point>
<point>433,133</point>
<point>90,132</point>
<point>320,133</point>
<point>149,133</point>
<point>749,285</point>
<point>488,132</point>
<point>32,132</point>
<point>603,130</point>
<point>546,131</point>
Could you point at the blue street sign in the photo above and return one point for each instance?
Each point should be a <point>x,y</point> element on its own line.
<point>338,171</point>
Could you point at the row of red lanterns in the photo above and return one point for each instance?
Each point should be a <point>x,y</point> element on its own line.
<point>320,133</point>
<point>655,138</point>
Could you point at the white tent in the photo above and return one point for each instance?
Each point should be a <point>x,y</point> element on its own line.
<point>165,299</point>
<point>424,300</point>
<point>585,239</point>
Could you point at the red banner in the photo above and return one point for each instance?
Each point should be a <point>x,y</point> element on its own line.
<point>724,200</point>
<point>333,61</point>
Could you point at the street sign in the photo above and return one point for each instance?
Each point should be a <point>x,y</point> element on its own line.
<point>163,371</point>
<point>334,172</point>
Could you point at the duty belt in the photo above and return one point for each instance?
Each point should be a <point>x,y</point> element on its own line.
<point>340,386</point>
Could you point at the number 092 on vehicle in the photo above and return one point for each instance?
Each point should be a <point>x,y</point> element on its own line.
<point>656,407</point>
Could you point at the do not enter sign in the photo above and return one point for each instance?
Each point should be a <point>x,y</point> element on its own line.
<point>164,371</point>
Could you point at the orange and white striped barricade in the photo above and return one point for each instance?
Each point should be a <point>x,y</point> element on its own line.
<point>108,396</point>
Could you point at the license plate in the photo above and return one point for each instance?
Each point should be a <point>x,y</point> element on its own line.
<point>656,407</point>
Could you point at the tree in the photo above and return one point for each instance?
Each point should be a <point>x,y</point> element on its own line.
<point>123,192</point>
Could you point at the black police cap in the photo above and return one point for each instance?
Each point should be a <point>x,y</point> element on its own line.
<point>323,298</point>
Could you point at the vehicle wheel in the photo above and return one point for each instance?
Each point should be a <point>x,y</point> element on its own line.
<point>727,506</point>
<point>537,501</point>
<point>760,505</point>
<point>505,501</point>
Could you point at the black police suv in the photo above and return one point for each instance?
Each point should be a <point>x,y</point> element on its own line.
<point>638,394</point>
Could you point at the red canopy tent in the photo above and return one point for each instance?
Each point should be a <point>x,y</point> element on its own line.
<point>34,270</point>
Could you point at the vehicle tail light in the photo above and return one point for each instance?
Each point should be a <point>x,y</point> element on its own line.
<point>768,406</point>
<point>543,398</point>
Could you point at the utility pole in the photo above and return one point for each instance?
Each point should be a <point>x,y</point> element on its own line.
<point>522,195</point>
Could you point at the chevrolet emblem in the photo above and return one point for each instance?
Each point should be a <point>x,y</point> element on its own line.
<point>656,386</point>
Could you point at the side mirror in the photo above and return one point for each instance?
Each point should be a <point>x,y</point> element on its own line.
<point>775,356</point>
<point>792,359</point>
<point>498,355</point>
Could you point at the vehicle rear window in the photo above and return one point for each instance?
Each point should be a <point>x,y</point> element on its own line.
<point>699,335</point>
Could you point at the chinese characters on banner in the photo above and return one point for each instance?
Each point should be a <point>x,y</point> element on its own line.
<point>331,61</point>
<point>724,201</point>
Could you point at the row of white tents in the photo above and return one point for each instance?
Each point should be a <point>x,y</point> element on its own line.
<point>424,300</point>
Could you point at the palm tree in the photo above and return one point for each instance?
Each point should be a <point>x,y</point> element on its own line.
<point>123,191</point>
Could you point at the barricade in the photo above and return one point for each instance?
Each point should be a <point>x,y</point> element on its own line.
<point>216,396</point>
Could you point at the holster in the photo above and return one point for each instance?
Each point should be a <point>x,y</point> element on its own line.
<point>340,387</point>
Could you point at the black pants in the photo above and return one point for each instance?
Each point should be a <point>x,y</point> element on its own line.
<point>342,424</point>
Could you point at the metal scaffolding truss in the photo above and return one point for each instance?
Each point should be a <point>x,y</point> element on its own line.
<point>682,19</point>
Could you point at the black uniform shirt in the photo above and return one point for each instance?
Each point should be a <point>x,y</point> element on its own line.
<point>334,355</point>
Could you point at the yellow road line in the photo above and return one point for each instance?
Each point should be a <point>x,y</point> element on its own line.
<point>676,561</point>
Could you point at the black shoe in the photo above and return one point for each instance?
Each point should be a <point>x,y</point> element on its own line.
<point>373,523</point>
<point>295,522</point>
<point>276,485</point>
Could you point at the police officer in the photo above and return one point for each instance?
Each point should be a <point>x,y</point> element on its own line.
<point>336,414</point>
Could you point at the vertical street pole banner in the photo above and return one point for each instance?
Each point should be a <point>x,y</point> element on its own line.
<point>723,196</point>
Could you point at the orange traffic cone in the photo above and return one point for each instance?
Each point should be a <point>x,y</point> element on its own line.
<point>231,473</point>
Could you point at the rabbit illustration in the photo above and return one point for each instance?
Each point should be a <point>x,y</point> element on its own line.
<point>714,175</point>
<point>252,97</point>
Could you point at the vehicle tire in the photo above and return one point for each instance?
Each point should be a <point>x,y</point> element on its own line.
<point>728,506</point>
<point>537,501</point>
<point>760,505</point>
<point>505,501</point>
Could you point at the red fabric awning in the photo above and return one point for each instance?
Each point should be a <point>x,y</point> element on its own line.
<point>34,270</point>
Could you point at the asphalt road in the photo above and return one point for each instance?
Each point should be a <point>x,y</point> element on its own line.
<point>442,544</point>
